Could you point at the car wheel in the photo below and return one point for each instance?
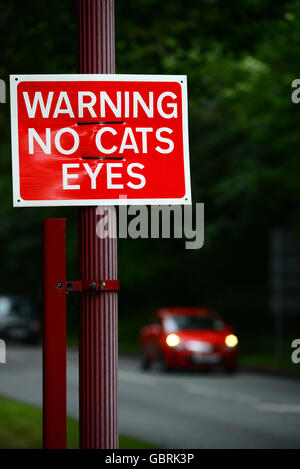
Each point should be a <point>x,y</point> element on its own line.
<point>145,363</point>
<point>163,366</point>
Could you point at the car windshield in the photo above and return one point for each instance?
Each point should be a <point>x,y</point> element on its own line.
<point>176,323</point>
<point>5,306</point>
<point>15,306</point>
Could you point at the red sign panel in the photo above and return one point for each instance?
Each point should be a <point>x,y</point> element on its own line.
<point>99,140</point>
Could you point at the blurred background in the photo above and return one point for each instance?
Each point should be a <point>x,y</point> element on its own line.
<point>240,59</point>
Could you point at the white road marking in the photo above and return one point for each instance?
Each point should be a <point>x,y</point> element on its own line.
<point>212,393</point>
<point>279,408</point>
<point>253,401</point>
<point>137,378</point>
<point>220,394</point>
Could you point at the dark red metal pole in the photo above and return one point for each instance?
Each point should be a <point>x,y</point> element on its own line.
<point>98,339</point>
<point>54,335</point>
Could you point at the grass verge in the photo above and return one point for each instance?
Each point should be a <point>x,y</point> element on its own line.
<point>21,428</point>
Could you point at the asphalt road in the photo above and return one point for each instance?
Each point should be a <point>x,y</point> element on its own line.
<point>179,409</point>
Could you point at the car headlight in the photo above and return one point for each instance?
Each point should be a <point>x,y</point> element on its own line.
<point>173,340</point>
<point>231,340</point>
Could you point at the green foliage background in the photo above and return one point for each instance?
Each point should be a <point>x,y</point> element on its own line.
<point>240,58</point>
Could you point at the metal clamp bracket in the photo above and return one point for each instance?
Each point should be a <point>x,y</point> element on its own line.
<point>92,285</point>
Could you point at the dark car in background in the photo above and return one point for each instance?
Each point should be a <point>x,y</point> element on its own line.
<point>188,338</point>
<point>19,320</point>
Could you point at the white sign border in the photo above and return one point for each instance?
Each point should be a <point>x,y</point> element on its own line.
<point>19,202</point>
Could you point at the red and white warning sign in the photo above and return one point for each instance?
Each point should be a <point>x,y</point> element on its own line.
<point>99,140</point>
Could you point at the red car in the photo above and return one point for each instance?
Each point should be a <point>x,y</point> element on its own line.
<point>188,338</point>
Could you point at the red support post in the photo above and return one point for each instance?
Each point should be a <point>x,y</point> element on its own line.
<point>98,329</point>
<point>54,335</point>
